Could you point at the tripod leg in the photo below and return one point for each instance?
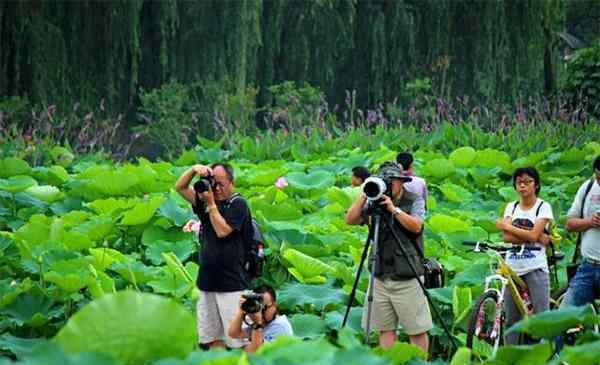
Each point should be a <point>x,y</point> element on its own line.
<point>363,257</point>
<point>374,260</point>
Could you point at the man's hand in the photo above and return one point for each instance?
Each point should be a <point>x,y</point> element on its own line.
<point>257,317</point>
<point>202,170</point>
<point>208,197</point>
<point>594,220</point>
<point>545,239</point>
<point>388,203</point>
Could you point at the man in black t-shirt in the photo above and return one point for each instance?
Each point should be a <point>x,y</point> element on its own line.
<point>222,278</point>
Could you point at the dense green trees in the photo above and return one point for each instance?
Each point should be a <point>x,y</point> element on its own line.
<point>85,50</point>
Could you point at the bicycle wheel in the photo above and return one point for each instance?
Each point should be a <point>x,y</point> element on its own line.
<point>486,321</point>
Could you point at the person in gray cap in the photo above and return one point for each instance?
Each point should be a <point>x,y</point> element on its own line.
<point>397,296</point>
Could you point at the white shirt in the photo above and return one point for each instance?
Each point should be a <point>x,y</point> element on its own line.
<point>280,326</point>
<point>590,239</point>
<point>529,260</point>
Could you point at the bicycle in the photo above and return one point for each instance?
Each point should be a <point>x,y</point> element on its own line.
<point>489,305</point>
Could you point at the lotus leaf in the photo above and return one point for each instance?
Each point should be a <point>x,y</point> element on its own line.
<point>15,184</point>
<point>70,275</point>
<point>463,156</point>
<point>31,308</point>
<point>104,257</point>
<point>308,326</point>
<point>322,297</point>
<point>182,249</point>
<point>526,355</point>
<point>53,175</point>
<point>153,234</point>
<point>553,323</point>
<point>316,180</point>
<point>456,193</point>
<point>131,327</point>
<point>176,214</point>
<point>585,354</point>
<point>401,353</point>
<point>21,347</point>
<point>445,223</point>
<point>142,212</point>
<point>439,168</point>
<point>135,272</point>
<point>110,205</point>
<point>491,158</point>
<point>12,166</point>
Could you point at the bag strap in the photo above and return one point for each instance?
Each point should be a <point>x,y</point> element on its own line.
<point>577,252</point>
<point>515,207</point>
<point>537,211</point>
<point>403,234</point>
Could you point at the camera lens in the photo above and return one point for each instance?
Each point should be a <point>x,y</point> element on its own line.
<point>374,187</point>
<point>371,190</point>
<point>202,185</point>
<point>253,303</point>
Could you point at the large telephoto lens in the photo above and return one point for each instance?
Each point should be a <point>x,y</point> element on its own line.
<point>374,187</point>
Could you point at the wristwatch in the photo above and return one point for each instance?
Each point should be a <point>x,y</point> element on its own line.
<point>397,211</point>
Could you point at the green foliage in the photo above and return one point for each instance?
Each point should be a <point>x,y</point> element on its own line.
<point>132,318</point>
<point>582,81</point>
<point>551,324</point>
<point>93,231</point>
<point>169,126</point>
<point>294,105</point>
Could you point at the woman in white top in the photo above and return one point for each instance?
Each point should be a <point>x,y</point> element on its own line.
<point>525,222</point>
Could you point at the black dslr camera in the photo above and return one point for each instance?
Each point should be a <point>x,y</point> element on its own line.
<point>253,304</point>
<point>204,184</point>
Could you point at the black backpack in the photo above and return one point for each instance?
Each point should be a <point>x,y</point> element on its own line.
<point>254,259</point>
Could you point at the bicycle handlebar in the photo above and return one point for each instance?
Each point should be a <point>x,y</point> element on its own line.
<point>489,246</point>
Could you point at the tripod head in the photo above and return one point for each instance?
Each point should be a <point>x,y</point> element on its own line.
<point>374,207</point>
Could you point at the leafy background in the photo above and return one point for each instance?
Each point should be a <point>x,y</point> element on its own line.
<point>95,267</point>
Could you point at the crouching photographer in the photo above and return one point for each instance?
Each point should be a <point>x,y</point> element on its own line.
<point>396,297</point>
<point>257,319</point>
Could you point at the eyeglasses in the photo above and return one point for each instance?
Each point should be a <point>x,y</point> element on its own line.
<point>524,182</point>
<point>219,184</point>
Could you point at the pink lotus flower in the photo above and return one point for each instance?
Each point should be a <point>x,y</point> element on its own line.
<point>281,183</point>
<point>196,227</point>
<point>192,226</point>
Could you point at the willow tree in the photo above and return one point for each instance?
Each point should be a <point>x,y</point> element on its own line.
<point>87,50</point>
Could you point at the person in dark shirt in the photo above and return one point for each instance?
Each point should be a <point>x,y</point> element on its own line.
<point>222,279</point>
<point>359,175</point>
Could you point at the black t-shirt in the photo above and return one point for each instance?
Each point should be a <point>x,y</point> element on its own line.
<point>222,259</point>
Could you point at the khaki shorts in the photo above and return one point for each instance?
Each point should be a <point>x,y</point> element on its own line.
<point>398,302</point>
<point>215,311</point>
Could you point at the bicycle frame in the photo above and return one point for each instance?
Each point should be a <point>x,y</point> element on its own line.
<point>507,278</point>
<point>514,282</point>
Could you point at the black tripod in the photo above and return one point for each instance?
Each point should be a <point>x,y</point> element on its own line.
<point>373,238</point>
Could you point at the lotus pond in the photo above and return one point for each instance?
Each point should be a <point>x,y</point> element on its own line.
<point>95,268</point>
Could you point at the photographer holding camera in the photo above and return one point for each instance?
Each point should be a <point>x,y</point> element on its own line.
<point>266,323</point>
<point>222,278</point>
<point>397,296</point>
